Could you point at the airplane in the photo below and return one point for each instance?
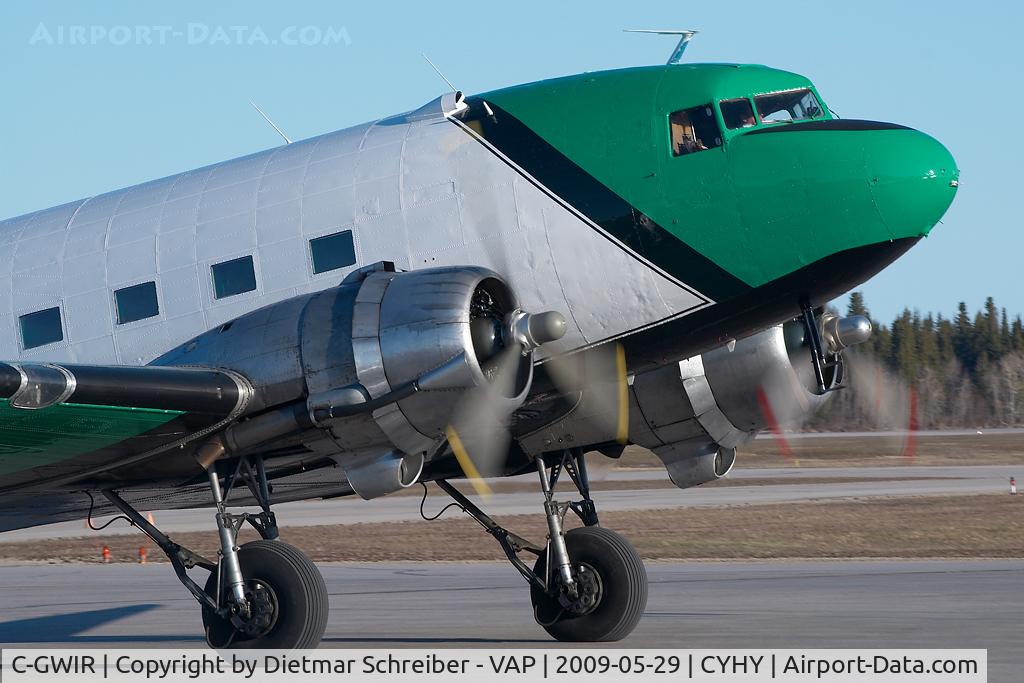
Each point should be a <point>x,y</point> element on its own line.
<point>518,281</point>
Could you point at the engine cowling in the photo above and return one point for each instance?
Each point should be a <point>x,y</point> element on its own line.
<point>694,414</point>
<point>407,324</point>
<point>375,333</point>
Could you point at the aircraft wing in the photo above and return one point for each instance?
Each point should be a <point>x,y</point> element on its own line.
<point>70,427</point>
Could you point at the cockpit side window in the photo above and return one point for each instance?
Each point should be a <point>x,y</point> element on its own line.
<point>737,113</point>
<point>694,130</point>
<point>791,105</point>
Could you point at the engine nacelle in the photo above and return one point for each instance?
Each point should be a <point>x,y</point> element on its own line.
<point>407,324</point>
<point>443,328</point>
<point>694,414</point>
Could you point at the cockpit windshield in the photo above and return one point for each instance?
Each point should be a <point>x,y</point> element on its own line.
<point>737,113</point>
<point>792,105</point>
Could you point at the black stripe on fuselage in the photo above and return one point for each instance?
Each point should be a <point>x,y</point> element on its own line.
<point>767,305</point>
<point>827,124</point>
<point>626,224</point>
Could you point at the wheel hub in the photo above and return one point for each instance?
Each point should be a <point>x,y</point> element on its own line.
<point>589,591</point>
<point>262,610</point>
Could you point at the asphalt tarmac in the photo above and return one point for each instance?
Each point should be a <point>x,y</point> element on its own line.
<point>921,604</point>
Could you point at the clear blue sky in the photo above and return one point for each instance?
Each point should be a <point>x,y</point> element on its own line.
<point>77,120</point>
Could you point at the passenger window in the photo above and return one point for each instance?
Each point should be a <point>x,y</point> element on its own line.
<point>41,328</point>
<point>737,113</point>
<point>791,105</point>
<point>694,130</point>
<point>233,277</point>
<point>331,252</point>
<point>136,303</point>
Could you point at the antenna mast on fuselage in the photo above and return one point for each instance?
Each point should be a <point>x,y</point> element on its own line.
<point>684,40</point>
<point>287,140</point>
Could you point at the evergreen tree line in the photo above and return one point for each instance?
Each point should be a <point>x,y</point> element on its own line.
<point>949,372</point>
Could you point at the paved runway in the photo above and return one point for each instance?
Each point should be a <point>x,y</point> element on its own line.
<point>918,481</point>
<point>938,604</point>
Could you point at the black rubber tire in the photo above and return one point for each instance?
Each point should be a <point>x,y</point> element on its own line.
<point>623,583</point>
<point>302,605</point>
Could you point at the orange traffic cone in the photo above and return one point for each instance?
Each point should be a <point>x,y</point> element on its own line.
<point>106,554</point>
<point>142,554</point>
<point>1013,486</point>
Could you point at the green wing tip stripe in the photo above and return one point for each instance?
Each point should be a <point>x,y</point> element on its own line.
<point>35,438</point>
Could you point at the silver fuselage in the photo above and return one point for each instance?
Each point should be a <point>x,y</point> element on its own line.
<point>420,190</point>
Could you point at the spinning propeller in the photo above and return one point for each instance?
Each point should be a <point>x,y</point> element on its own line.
<point>889,402</point>
<point>478,431</point>
<point>593,382</point>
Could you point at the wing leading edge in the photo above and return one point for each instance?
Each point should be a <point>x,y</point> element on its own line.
<point>64,424</point>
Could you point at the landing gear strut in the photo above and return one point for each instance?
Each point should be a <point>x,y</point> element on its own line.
<point>587,584</point>
<point>829,371</point>
<point>264,594</point>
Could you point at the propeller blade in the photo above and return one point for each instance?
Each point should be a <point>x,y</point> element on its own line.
<point>764,403</point>
<point>910,444</point>
<point>784,401</point>
<point>478,432</point>
<point>888,401</point>
<point>599,376</point>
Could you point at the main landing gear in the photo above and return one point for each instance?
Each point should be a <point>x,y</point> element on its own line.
<point>264,594</point>
<point>587,584</point>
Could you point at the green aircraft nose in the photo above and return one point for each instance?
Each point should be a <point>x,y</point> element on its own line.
<point>809,190</point>
<point>912,178</point>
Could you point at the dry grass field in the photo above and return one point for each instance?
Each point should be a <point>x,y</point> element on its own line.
<point>920,527</point>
